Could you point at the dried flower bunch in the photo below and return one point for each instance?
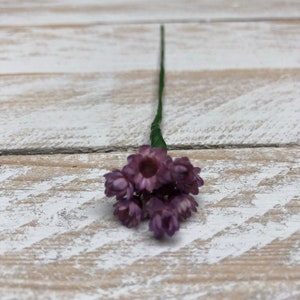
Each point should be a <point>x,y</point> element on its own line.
<point>152,185</point>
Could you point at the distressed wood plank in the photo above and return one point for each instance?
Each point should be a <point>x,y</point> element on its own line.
<point>95,87</point>
<point>220,46</point>
<point>189,47</point>
<point>133,11</point>
<point>58,237</point>
<point>78,49</point>
<point>72,112</point>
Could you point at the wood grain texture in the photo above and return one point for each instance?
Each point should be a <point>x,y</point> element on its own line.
<point>189,47</point>
<point>102,111</point>
<point>133,11</point>
<point>95,87</point>
<point>58,237</point>
<point>73,78</point>
<point>223,46</point>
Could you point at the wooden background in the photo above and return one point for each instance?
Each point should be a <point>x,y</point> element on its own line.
<point>78,85</point>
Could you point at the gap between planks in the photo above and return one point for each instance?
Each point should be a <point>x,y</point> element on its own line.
<point>142,11</point>
<point>158,22</point>
<point>87,150</point>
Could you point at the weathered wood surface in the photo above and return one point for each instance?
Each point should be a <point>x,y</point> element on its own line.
<point>58,237</point>
<point>69,84</point>
<point>189,47</point>
<point>95,87</point>
<point>103,111</point>
<point>141,11</point>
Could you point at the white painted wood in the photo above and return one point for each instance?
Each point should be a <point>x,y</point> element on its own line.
<point>189,47</point>
<point>68,84</point>
<point>114,110</point>
<point>95,87</point>
<point>223,46</point>
<point>233,108</point>
<point>79,49</point>
<point>118,11</point>
<point>58,237</point>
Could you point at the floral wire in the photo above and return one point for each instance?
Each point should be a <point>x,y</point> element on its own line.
<point>156,137</point>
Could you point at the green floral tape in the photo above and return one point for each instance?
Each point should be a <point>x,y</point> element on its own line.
<point>156,137</point>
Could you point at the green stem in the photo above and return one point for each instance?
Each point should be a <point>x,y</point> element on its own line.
<point>156,137</point>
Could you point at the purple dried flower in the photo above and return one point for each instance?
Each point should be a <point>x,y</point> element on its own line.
<point>184,205</point>
<point>129,212</point>
<point>163,220</point>
<point>186,176</point>
<point>153,186</point>
<point>117,184</point>
<point>148,168</point>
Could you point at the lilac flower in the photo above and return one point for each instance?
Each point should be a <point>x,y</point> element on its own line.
<point>153,186</point>
<point>118,185</point>
<point>186,176</point>
<point>184,205</point>
<point>148,168</point>
<point>129,212</point>
<point>163,219</point>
